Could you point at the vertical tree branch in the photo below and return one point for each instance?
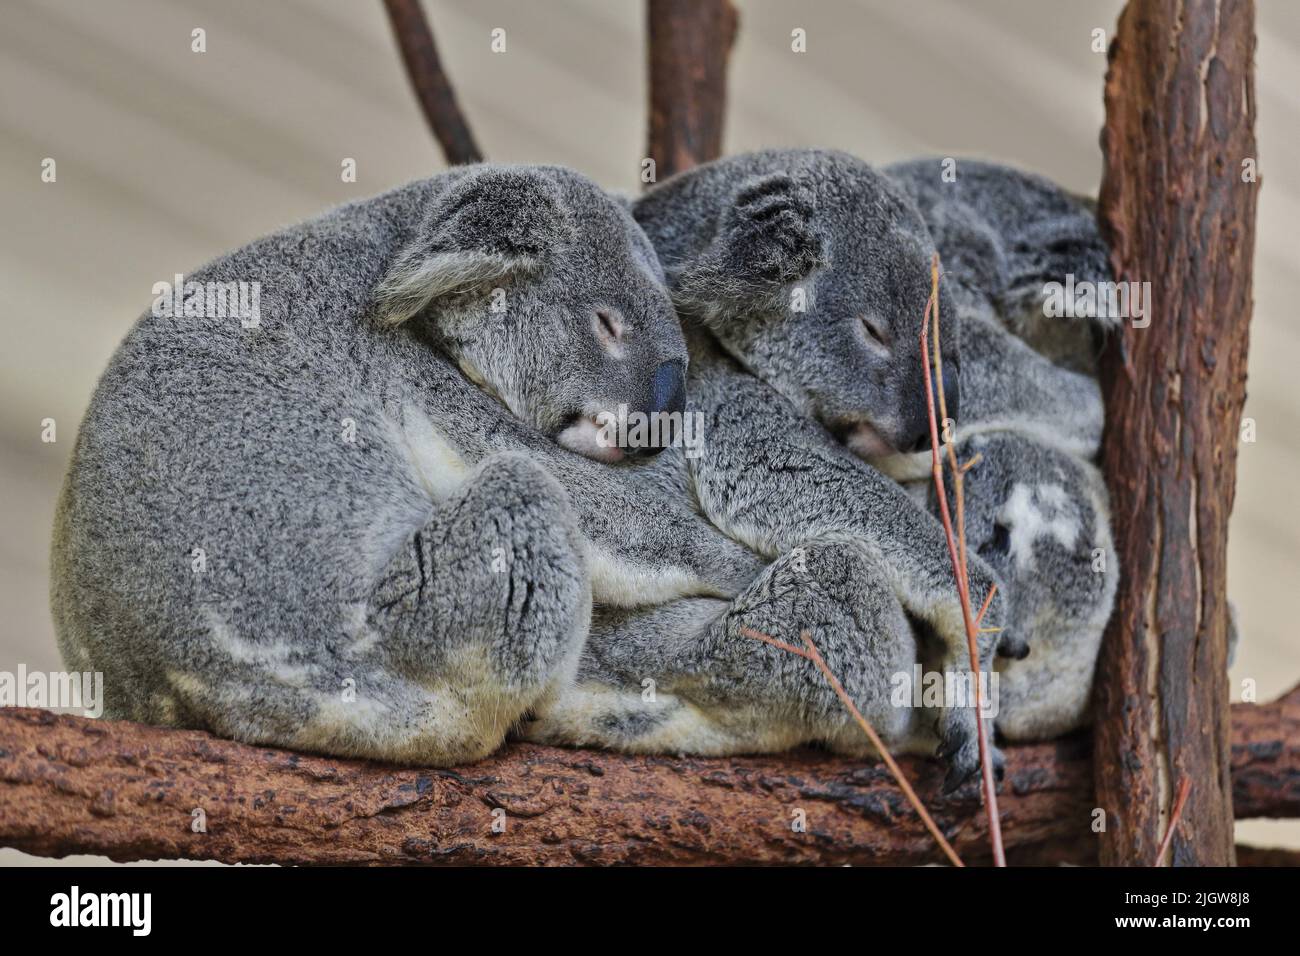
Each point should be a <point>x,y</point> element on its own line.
<point>689,43</point>
<point>432,88</point>
<point>1180,113</point>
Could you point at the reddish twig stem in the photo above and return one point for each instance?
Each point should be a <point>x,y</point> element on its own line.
<point>1184,789</point>
<point>811,653</point>
<point>957,553</point>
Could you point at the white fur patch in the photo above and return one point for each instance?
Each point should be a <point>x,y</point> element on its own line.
<point>585,437</point>
<point>1032,513</point>
<point>272,658</point>
<point>437,465</point>
<point>618,583</point>
<point>418,278</point>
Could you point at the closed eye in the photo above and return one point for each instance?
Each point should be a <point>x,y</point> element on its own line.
<point>874,331</point>
<point>608,326</point>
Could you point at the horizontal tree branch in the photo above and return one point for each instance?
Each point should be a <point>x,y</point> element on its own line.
<point>131,791</point>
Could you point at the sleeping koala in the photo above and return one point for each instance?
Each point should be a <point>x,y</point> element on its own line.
<point>1036,508</point>
<point>1004,235</point>
<point>670,677</point>
<point>370,522</point>
<point>802,277</point>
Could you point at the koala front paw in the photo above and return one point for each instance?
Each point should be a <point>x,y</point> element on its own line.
<point>997,636</point>
<point>771,234</point>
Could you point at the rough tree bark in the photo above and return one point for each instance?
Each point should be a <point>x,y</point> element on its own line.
<point>690,41</point>
<point>429,80</point>
<point>130,792</point>
<point>1180,116</point>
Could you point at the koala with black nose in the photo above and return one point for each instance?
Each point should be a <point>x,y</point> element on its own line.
<point>801,277</point>
<point>1036,507</point>
<point>355,523</point>
<point>1005,235</point>
<point>868,573</point>
<point>1037,511</point>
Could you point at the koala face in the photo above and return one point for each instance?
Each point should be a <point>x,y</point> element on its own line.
<point>547,294</point>
<point>1040,518</point>
<point>819,281</point>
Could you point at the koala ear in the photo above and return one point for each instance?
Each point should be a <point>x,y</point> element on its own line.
<point>493,223</point>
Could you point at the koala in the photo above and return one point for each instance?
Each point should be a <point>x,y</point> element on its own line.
<point>1004,234</point>
<point>1037,511</point>
<point>779,470</point>
<point>1036,507</point>
<point>374,521</point>
<point>801,278</point>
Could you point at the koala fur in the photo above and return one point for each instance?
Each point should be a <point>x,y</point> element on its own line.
<point>1036,507</point>
<point>866,571</point>
<point>789,394</point>
<point>231,560</point>
<point>1004,234</point>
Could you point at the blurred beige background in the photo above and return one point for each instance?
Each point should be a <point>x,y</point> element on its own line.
<point>167,158</point>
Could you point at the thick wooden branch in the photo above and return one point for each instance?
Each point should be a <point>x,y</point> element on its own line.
<point>130,792</point>
<point>429,80</point>
<point>1180,116</point>
<point>689,43</point>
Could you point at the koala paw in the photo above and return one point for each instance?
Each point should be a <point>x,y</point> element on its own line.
<point>1004,642</point>
<point>959,747</point>
<point>771,230</point>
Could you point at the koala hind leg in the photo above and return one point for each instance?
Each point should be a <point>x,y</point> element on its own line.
<point>486,607</point>
<point>685,678</point>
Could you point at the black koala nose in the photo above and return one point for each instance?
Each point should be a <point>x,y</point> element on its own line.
<point>919,439</point>
<point>668,389</point>
<point>951,390</point>
<point>667,395</point>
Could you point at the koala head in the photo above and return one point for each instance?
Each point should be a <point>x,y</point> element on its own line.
<point>1040,518</point>
<point>1008,387</point>
<point>546,293</point>
<point>813,272</point>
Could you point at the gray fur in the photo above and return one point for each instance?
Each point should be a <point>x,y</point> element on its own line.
<point>1004,235</point>
<point>735,236</point>
<point>783,391</point>
<point>1036,507</point>
<point>410,594</point>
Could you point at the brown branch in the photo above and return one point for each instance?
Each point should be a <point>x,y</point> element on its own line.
<point>429,80</point>
<point>689,43</point>
<point>1179,124</point>
<point>129,791</point>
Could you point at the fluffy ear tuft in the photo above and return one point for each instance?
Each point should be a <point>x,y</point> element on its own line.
<point>493,223</point>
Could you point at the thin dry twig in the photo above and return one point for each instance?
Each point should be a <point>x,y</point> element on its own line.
<point>1184,788</point>
<point>812,654</point>
<point>430,82</point>
<point>957,550</point>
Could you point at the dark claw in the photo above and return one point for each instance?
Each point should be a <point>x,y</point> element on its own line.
<point>955,777</point>
<point>947,748</point>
